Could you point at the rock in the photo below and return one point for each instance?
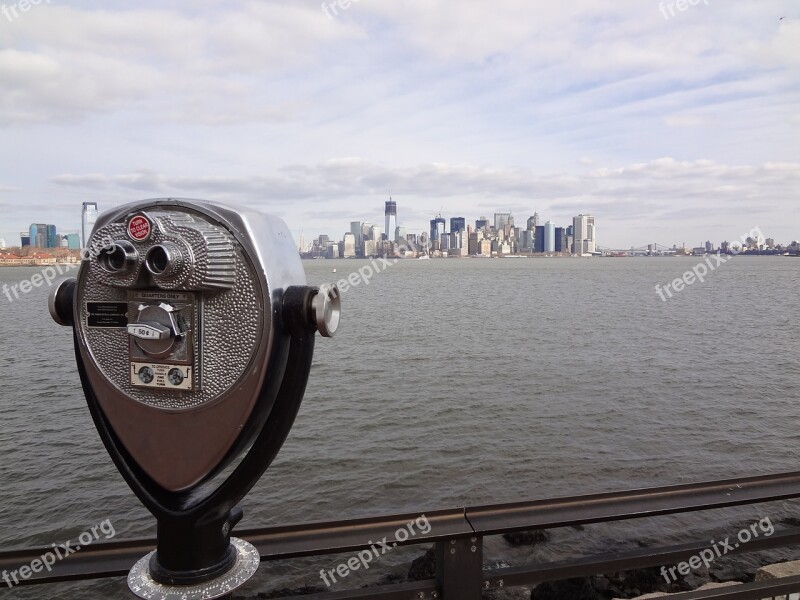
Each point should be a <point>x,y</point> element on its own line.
<point>423,567</point>
<point>527,538</point>
<point>515,593</point>
<point>574,589</point>
<point>791,522</point>
<point>708,586</point>
<point>390,579</point>
<point>776,571</point>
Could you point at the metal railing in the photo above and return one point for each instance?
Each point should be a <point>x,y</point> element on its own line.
<point>458,537</point>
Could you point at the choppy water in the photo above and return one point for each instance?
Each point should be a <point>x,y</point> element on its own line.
<point>453,382</point>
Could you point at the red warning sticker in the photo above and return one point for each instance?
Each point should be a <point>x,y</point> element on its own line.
<point>139,228</point>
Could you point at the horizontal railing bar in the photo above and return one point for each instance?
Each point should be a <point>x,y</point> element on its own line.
<point>293,541</point>
<point>638,559</point>
<point>112,559</point>
<point>632,504</point>
<point>101,559</point>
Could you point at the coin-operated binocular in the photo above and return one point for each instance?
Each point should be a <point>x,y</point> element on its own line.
<point>194,333</point>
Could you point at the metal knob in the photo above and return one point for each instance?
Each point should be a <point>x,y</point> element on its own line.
<point>326,307</point>
<point>60,302</point>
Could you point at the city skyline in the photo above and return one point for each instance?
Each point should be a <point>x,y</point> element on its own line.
<point>361,229</point>
<point>306,239</point>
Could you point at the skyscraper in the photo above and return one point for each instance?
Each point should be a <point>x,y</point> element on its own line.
<point>38,235</point>
<point>391,217</point>
<point>437,228</point>
<point>24,239</point>
<point>584,232</point>
<point>73,241</point>
<point>88,218</point>
<point>549,237</point>
<point>561,239</point>
<point>349,245</point>
<point>501,220</point>
<point>53,240</point>
<point>482,223</point>
<point>538,240</point>
<point>458,224</point>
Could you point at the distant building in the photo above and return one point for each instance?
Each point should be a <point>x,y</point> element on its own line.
<point>349,245</point>
<point>24,239</point>
<point>502,219</point>
<point>538,240</point>
<point>483,223</point>
<point>770,242</point>
<point>526,240</point>
<point>369,248</point>
<point>709,247</point>
<point>437,228</point>
<point>355,229</point>
<point>43,236</point>
<point>375,234</point>
<point>458,224</point>
<point>561,240</point>
<point>549,237</point>
<point>585,241</point>
<point>391,217</point>
<point>2,244</point>
<point>53,239</point>
<point>366,231</point>
<point>400,234</point>
<point>88,218</point>
<point>533,222</point>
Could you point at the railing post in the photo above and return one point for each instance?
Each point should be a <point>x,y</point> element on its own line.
<point>459,568</point>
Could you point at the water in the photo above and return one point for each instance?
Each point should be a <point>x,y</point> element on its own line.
<point>457,382</point>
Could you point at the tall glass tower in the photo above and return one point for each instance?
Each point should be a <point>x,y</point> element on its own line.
<point>391,217</point>
<point>88,218</point>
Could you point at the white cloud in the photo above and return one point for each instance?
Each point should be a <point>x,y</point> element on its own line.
<point>643,193</point>
<point>473,105</point>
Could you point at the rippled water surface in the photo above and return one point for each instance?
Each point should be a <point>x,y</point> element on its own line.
<point>455,382</point>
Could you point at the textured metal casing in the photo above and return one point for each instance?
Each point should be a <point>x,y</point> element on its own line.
<point>240,264</point>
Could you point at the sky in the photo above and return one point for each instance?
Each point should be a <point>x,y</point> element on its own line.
<point>669,126</point>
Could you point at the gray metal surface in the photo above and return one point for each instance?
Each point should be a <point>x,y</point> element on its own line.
<point>232,268</point>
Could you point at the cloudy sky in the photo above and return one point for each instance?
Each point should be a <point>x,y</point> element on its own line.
<point>669,128</point>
